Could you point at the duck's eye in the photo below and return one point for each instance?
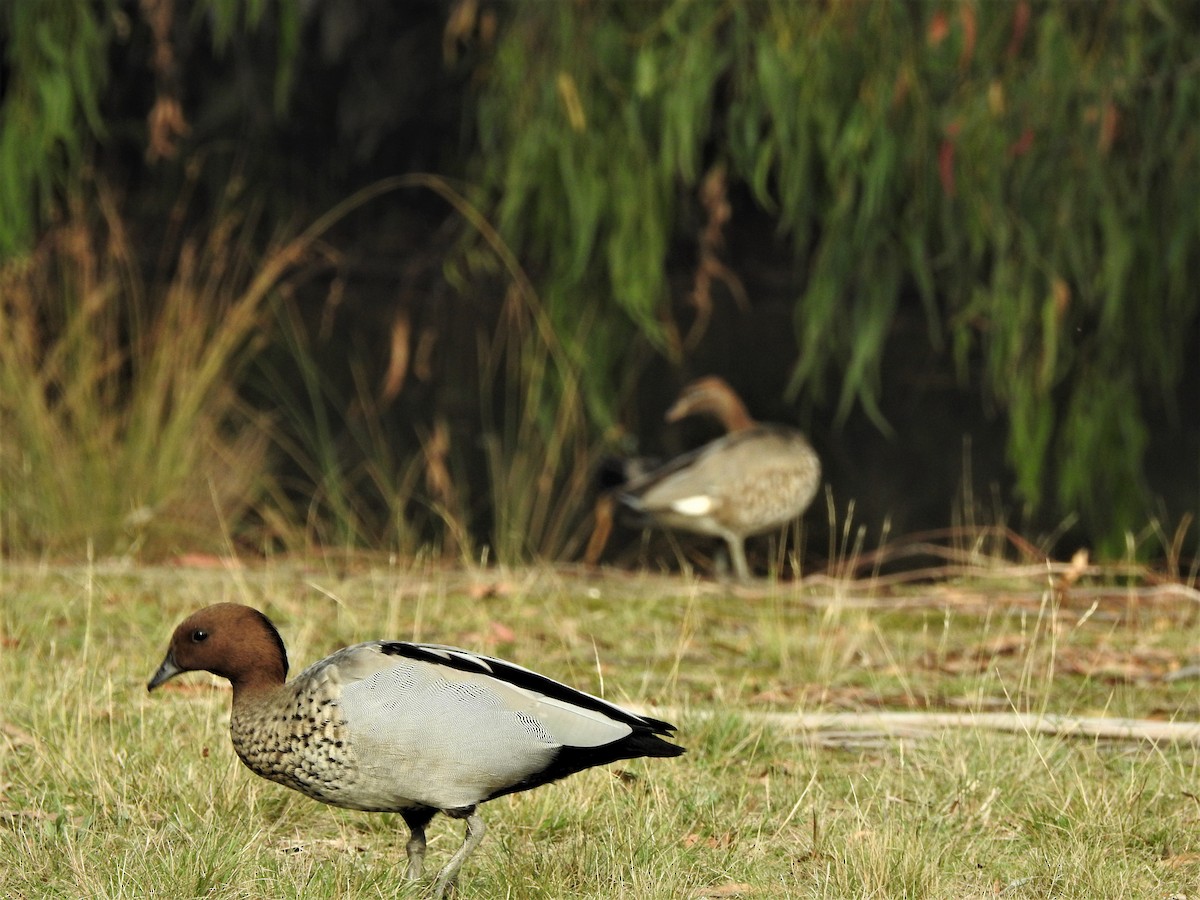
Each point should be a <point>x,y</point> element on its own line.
<point>199,635</point>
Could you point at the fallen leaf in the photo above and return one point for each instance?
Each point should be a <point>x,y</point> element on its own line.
<point>732,889</point>
<point>40,815</point>
<point>489,590</point>
<point>711,843</point>
<point>1179,860</point>
<point>18,737</point>
<point>1079,562</point>
<point>501,633</point>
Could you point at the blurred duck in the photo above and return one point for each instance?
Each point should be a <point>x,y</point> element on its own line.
<point>756,478</point>
<point>391,726</point>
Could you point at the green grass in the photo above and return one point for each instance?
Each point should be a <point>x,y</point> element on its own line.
<point>106,791</point>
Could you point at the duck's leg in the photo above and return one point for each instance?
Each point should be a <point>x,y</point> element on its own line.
<point>603,515</point>
<point>416,820</point>
<point>475,832</point>
<point>737,553</point>
<point>416,853</point>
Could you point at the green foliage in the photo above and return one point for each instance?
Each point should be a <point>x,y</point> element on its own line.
<point>1022,176</point>
<point>56,59</point>
<point>1028,173</point>
<point>55,56</point>
<point>351,498</point>
<point>584,184</point>
<point>539,453</point>
<point>232,19</point>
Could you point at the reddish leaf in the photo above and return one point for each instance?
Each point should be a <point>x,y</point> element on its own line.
<point>1110,118</point>
<point>1020,26</point>
<point>966,15</point>
<point>501,634</point>
<point>946,166</point>
<point>1021,145</point>
<point>939,27</point>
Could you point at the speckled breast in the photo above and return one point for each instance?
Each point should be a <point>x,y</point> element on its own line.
<point>771,497</point>
<point>303,744</point>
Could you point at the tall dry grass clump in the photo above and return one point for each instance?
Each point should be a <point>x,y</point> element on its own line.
<point>121,426</point>
<point>540,452</point>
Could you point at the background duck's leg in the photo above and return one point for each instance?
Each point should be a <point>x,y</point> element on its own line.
<point>737,553</point>
<point>604,524</point>
<point>475,832</point>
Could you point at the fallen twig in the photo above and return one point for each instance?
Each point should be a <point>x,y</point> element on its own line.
<point>927,724</point>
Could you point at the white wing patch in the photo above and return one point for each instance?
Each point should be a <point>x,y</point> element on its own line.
<point>698,505</point>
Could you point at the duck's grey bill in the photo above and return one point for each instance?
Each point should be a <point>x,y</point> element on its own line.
<point>167,670</point>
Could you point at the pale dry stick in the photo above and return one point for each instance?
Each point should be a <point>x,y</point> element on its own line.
<point>928,724</point>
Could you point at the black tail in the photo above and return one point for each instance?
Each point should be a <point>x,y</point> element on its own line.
<point>644,741</point>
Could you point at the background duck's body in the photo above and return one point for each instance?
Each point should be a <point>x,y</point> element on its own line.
<point>754,479</point>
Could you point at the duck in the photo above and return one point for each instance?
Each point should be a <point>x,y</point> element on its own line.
<point>395,726</point>
<point>755,478</point>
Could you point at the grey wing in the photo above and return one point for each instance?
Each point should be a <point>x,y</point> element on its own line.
<point>715,470</point>
<point>747,480</point>
<point>457,737</point>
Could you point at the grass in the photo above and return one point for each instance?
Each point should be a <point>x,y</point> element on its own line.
<point>141,414</point>
<point>106,791</point>
<point>122,425</point>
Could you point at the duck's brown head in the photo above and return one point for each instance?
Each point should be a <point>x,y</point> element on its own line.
<point>714,397</point>
<point>229,640</point>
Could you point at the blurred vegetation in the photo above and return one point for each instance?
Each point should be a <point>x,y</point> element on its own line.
<point>54,73</point>
<point>1027,171</point>
<point>1019,177</point>
<point>123,430</point>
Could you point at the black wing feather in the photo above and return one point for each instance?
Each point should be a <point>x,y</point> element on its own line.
<point>643,740</point>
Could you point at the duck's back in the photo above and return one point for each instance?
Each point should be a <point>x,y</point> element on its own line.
<point>749,481</point>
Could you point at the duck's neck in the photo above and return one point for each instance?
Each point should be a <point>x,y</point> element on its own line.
<point>733,415</point>
<point>252,692</point>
